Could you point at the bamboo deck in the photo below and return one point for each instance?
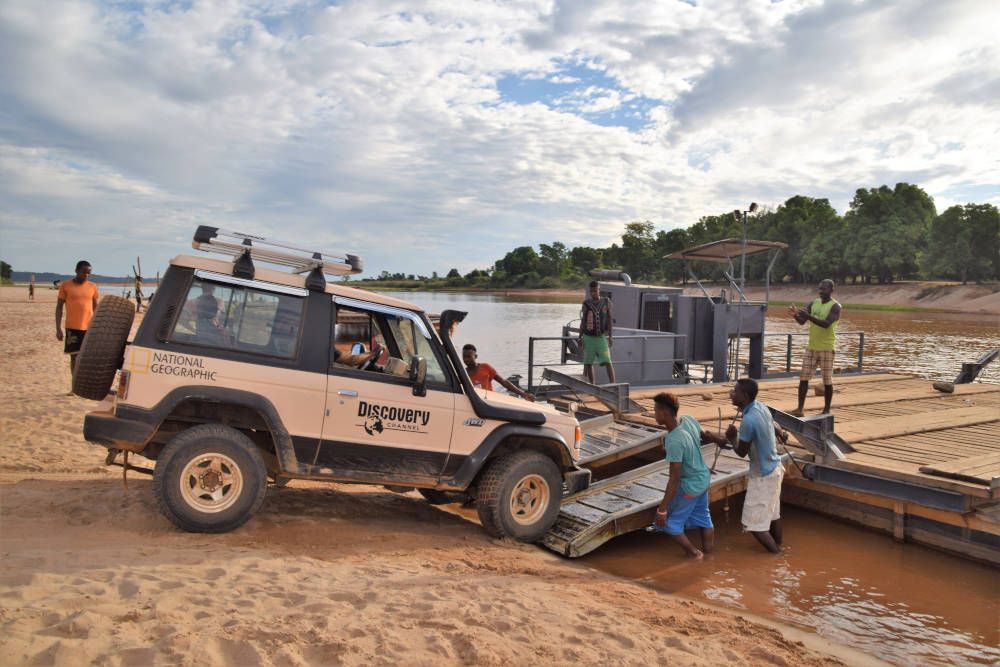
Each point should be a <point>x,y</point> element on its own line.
<point>903,432</point>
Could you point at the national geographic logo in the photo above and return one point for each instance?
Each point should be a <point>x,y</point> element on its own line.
<point>179,365</point>
<point>378,418</point>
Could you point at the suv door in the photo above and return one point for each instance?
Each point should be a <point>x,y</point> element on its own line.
<point>376,428</point>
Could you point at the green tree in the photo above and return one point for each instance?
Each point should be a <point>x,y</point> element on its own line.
<point>963,243</point>
<point>453,273</point>
<point>583,259</point>
<point>823,254</point>
<point>6,271</point>
<point>637,256</point>
<point>664,244</point>
<point>518,261</point>
<point>885,230</point>
<point>511,268</point>
<point>553,260</point>
<point>797,222</point>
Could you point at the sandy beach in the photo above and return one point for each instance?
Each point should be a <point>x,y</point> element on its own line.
<point>325,574</point>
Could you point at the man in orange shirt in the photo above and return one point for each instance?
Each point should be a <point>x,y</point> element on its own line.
<point>80,296</point>
<point>482,375</point>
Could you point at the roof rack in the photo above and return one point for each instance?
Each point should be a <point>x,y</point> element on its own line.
<point>245,248</point>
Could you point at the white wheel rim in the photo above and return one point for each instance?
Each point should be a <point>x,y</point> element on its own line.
<point>529,499</point>
<point>211,482</point>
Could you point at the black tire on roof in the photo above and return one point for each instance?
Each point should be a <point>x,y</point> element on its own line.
<point>103,349</point>
<point>209,479</point>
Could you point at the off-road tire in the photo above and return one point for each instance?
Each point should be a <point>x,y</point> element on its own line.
<point>190,507</point>
<point>498,483</point>
<point>103,348</point>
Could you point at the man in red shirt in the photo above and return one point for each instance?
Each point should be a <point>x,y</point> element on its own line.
<point>482,375</point>
<point>79,296</point>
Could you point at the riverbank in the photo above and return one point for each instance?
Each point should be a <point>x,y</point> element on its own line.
<point>917,296</point>
<point>902,296</point>
<point>324,574</point>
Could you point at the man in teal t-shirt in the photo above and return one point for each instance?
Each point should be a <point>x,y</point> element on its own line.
<point>685,500</point>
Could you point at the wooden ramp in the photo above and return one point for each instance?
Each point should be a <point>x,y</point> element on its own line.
<point>898,425</point>
<point>627,502</point>
<point>925,465</point>
<point>606,441</point>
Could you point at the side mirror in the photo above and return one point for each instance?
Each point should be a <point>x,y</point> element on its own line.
<point>418,375</point>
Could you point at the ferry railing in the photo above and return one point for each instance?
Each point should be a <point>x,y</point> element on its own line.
<point>566,360</point>
<point>841,336</point>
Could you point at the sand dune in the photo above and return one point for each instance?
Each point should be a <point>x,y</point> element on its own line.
<point>325,574</point>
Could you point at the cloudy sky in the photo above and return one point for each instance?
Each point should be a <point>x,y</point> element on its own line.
<point>425,136</point>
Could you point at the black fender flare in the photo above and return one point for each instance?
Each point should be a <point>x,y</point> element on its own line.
<point>548,438</point>
<point>223,396</point>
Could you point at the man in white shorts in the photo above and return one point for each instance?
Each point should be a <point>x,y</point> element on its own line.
<point>762,506</point>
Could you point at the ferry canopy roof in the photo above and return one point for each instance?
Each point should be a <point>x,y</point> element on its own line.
<point>725,250</point>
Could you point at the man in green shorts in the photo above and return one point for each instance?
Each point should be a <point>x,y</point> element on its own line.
<point>595,333</point>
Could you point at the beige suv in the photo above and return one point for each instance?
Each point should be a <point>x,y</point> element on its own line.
<point>239,372</point>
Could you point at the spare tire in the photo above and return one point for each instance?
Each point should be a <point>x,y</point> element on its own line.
<point>103,349</point>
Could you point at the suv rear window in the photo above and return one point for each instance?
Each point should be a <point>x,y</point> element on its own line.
<point>244,319</point>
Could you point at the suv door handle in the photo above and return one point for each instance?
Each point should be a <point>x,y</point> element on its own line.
<point>347,392</point>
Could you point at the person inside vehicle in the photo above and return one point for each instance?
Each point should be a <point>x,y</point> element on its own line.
<point>482,374</point>
<point>361,360</point>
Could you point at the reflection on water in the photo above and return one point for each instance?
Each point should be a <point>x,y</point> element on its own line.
<point>900,602</point>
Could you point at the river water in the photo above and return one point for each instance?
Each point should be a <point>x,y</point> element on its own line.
<point>901,602</point>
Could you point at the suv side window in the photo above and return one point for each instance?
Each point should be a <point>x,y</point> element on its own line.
<point>357,331</point>
<point>414,342</point>
<point>239,318</point>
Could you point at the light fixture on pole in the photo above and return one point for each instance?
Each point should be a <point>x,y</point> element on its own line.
<point>743,247</point>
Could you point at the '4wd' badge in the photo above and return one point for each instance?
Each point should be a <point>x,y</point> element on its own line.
<point>378,418</point>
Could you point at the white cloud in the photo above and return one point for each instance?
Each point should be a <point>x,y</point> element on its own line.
<point>378,126</point>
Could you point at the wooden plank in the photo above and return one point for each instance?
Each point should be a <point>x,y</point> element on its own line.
<point>877,467</point>
<point>608,503</point>
<point>584,512</point>
<point>975,469</point>
<point>637,493</point>
<point>964,464</point>
<point>877,429</point>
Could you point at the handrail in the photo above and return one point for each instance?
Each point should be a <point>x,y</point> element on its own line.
<point>642,360</point>
<point>840,334</point>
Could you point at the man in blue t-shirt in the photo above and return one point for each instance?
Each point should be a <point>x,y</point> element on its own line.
<point>762,505</point>
<point>685,500</point>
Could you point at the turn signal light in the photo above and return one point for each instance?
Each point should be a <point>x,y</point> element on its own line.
<point>123,385</point>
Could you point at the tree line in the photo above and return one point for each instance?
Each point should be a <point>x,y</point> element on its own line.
<point>887,234</point>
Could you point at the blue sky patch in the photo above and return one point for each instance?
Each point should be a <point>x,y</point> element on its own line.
<point>973,192</point>
<point>583,90</point>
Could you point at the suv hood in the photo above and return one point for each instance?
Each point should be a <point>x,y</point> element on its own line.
<point>564,423</point>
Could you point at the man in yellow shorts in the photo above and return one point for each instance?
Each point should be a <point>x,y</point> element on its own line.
<point>595,334</point>
<point>822,315</point>
<point>79,296</point>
